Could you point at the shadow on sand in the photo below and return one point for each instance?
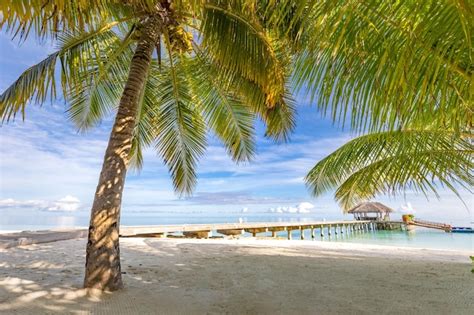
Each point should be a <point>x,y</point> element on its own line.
<point>170,276</point>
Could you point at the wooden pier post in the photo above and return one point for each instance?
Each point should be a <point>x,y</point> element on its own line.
<point>274,233</point>
<point>329,230</point>
<point>289,233</point>
<point>301,233</point>
<point>313,234</point>
<point>335,229</point>
<point>322,231</point>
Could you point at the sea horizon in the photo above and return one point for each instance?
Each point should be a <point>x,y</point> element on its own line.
<point>420,238</point>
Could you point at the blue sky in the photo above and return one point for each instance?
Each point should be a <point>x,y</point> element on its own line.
<point>45,164</point>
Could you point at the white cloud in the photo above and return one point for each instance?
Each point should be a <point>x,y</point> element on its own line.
<point>67,203</point>
<point>12,203</point>
<point>302,207</point>
<point>406,208</point>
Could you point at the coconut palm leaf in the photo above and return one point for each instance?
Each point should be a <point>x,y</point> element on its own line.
<point>247,49</point>
<point>279,119</point>
<point>50,18</point>
<point>225,113</point>
<point>98,87</point>
<point>390,162</point>
<point>145,133</point>
<point>386,64</point>
<point>76,51</point>
<point>181,131</point>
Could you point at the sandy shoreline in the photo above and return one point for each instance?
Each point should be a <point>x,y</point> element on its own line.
<point>246,276</point>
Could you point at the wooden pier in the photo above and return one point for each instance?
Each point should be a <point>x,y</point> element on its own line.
<point>321,228</point>
<point>313,229</point>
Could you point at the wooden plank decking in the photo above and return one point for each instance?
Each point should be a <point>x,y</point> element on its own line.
<point>253,227</point>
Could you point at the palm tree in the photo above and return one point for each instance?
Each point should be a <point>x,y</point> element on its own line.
<point>389,162</point>
<point>377,64</point>
<point>402,71</point>
<point>388,65</point>
<point>170,70</point>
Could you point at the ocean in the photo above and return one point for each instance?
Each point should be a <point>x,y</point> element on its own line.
<point>419,238</point>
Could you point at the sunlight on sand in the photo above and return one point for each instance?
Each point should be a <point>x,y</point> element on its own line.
<point>226,276</point>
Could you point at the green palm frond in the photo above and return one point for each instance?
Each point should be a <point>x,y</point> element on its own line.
<point>146,130</point>
<point>52,17</point>
<point>385,64</point>
<point>390,162</point>
<point>247,48</point>
<point>38,83</point>
<point>280,120</point>
<point>181,131</point>
<point>97,86</point>
<point>225,113</point>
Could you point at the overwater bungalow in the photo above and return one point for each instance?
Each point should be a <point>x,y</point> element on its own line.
<point>375,211</point>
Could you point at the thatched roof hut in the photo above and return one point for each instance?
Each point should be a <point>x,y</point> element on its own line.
<point>362,211</point>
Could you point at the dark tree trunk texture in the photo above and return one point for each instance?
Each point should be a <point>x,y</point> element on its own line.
<point>103,253</point>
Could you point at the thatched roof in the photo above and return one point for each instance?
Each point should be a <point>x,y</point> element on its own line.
<point>370,207</point>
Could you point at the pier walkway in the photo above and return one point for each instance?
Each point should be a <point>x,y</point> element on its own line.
<point>206,230</point>
<point>431,225</point>
<point>320,228</point>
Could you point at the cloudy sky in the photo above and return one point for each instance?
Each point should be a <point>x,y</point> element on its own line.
<point>46,165</point>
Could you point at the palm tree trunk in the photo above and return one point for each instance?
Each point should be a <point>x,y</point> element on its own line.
<point>103,252</point>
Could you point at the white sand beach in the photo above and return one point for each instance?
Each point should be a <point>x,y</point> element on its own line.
<point>246,276</point>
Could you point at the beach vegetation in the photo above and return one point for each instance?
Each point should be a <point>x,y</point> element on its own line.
<point>170,72</point>
<point>400,74</point>
<point>392,161</point>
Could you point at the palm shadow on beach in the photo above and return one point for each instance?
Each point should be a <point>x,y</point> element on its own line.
<point>169,276</point>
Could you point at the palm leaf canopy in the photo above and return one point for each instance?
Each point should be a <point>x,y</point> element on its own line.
<point>196,83</point>
<point>384,64</point>
<point>391,162</point>
<point>380,65</point>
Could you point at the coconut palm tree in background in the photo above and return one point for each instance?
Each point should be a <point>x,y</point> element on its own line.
<point>219,64</point>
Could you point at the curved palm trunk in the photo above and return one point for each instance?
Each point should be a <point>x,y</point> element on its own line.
<point>103,253</point>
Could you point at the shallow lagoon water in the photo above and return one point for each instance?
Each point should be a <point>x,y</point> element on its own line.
<point>419,238</point>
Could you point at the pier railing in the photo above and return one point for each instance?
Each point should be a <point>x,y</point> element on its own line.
<point>432,225</point>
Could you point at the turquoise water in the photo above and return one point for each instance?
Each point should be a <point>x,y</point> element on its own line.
<point>421,238</point>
